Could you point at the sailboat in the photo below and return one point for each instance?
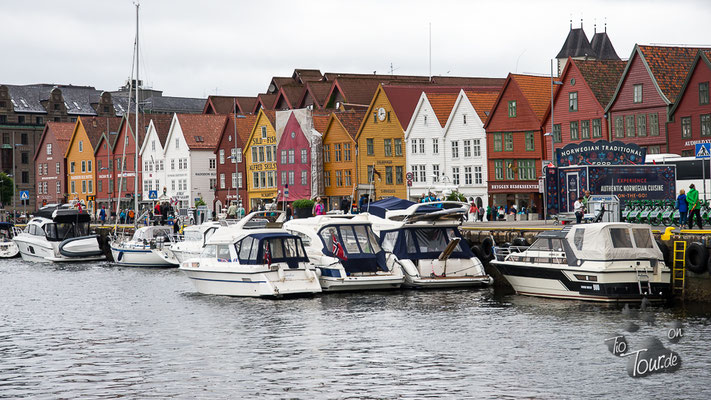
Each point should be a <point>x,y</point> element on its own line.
<point>145,247</point>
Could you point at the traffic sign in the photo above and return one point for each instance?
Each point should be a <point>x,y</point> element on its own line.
<point>703,150</point>
<point>286,192</point>
<point>409,176</point>
<point>24,195</point>
<point>409,182</point>
<point>152,194</point>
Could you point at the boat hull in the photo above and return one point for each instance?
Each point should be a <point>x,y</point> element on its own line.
<point>337,283</point>
<point>607,286</point>
<point>9,250</point>
<point>266,283</point>
<point>139,257</point>
<point>463,273</point>
<point>38,249</point>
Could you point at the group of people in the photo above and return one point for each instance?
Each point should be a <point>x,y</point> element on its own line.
<point>689,204</point>
<point>581,206</point>
<point>235,211</point>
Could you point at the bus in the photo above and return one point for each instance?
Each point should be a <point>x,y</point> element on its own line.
<point>688,170</point>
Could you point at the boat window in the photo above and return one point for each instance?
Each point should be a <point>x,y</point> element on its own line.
<point>193,236</point>
<point>540,245</point>
<point>578,238</point>
<point>410,242</point>
<point>451,234</point>
<point>389,239</point>
<point>304,237</point>
<point>620,238</point>
<point>273,247</point>
<point>556,245</point>
<point>210,251</point>
<point>245,246</point>
<point>223,252</point>
<point>293,248</point>
<point>363,240</point>
<point>430,240</point>
<point>328,234</point>
<point>374,240</point>
<point>349,239</point>
<point>642,238</point>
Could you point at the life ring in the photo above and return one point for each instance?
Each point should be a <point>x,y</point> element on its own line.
<point>697,256</point>
<point>665,252</point>
<point>487,248</point>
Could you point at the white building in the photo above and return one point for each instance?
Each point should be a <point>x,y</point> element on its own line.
<point>152,155</point>
<point>189,158</point>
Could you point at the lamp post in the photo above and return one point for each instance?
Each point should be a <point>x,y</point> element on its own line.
<point>551,134</point>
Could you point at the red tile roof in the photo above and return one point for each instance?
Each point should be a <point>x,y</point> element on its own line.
<point>162,124</point>
<point>320,122</point>
<point>245,123</point>
<point>351,120</point>
<point>201,131</point>
<point>537,91</point>
<point>442,104</point>
<point>61,131</point>
<point>482,102</point>
<point>96,126</point>
<point>404,98</point>
<point>669,66</point>
<point>601,76</point>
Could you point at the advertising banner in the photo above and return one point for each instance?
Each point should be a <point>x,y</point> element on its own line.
<point>600,152</point>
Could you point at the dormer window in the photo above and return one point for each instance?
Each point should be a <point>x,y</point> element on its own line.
<point>638,93</point>
<point>464,118</point>
<point>264,132</point>
<point>177,143</point>
<point>81,146</point>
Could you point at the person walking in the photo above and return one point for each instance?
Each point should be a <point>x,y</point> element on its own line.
<point>481,214</point>
<point>102,215</point>
<point>692,199</point>
<point>578,208</point>
<point>682,206</point>
<point>473,211</point>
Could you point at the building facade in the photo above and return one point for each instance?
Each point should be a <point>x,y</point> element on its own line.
<point>690,117</point>
<point>153,150</point>
<point>339,155</point>
<point>231,185</point>
<point>50,167</point>
<point>260,158</point>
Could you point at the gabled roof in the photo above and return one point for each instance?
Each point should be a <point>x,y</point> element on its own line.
<point>301,75</point>
<point>576,45</point>
<point>226,104</point>
<point>703,56</point>
<point>264,101</point>
<point>292,93</point>
<point>202,132</point>
<point>320,122</point>
<point>277,82</point>
<point>482,102</point>
<point>62,132</point>
<point>602,46</point>
<point>350,121</point>
<point>442,104</point>
<point>270,115</point>
<point>536,92</point>
<point>95,126</point>
<point>601,76</point>
<point>404,98</point>
<point>318,91</point>
<point>245,123</point>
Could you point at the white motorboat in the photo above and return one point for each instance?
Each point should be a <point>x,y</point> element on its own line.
<point>8,248</point>
<point>426,240</point>
<point>59,234</point>
<point>607,262</point>
<point>346,253</point>
<point>254,263</point>
<point>146,248</point>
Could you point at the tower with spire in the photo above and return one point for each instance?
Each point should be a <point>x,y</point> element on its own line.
<point>578,47</point>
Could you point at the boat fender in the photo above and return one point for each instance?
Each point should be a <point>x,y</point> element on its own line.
<point>120,256</point>
<point>476,249</point>
<point>697,256</point>
<point>487,248</point>
<point>410,269</point>
<point>665,252</point>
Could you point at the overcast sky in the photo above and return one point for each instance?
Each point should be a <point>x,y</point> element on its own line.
<point>233,47</point>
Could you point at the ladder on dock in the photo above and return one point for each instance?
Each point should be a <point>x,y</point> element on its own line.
<point>679,268</point>
<point>643,281</point>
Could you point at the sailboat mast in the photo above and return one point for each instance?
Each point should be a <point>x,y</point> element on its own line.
<point>136,130</point>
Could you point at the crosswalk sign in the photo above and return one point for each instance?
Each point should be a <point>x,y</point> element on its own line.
<point>24,195</point>
<point>152,194</point>
<point>703,150</point>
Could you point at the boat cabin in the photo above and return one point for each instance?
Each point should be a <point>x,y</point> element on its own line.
<point>149,233</point>
<point>259,248</point>
<point>355,245</point>
<point>418,242</point>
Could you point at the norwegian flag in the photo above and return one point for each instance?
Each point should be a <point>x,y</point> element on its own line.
<point>267,254</point>
<point>79,207</point>
<point>338,249</point>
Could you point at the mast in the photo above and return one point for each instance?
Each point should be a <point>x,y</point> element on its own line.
<point>136,133</point>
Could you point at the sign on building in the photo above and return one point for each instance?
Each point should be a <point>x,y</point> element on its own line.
<point>600,152</point>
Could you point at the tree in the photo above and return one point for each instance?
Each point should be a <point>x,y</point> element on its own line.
<point>456,196</point>
<point>6,185</point>
<point>199,202</point>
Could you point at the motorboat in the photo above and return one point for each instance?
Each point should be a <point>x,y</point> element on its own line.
<point>265,262</point>
<point>8,248</point>
<point>607,261</point>
<point>425,239</point>
<point>146,248</point>
<point>58,233</point>
<point>346,253</point>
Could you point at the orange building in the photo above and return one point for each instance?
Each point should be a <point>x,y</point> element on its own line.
<point>260,160</point>
<point>339,156</point>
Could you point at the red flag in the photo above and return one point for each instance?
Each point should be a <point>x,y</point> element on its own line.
<point>79,207</point>
<point>338,249</point>
<point>267,255</point>
<point>654,162</point>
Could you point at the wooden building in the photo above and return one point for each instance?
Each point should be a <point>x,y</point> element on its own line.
<point>339,155</point>
<point>260,161</point>
<point>49,163</point>
<point>690,116</point>
<point>231,173</point>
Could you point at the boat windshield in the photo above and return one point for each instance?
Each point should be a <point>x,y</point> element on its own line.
<point>267,249</point>
<point>355,239</point>
<point>193,236</point>
<point>58,231</point>
<point>151,233</point>
<point>423,242</point>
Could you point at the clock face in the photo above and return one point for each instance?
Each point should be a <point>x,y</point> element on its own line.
<point>381,114</point>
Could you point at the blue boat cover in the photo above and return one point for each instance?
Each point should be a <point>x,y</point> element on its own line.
<point>393,203</point>
<point>409,245</point>
<point>355,262</point>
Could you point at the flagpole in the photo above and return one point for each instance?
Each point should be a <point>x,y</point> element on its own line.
<point>371,177</point>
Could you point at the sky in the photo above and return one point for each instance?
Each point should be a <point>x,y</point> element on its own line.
<point>234,47</point>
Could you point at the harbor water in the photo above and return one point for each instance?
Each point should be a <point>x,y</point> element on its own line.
<point>98,331</point>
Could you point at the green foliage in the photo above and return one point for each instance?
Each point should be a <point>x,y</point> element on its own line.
<point>303,203</point>
<point>456,196</point>
<point>199,202</point>
<point>6,184</point>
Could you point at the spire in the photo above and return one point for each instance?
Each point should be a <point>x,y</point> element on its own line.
<point>581,23</point>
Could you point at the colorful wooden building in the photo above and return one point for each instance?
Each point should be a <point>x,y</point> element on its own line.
<point>50,167</point>
<point>339,155</point>
<point>153,151</point>
<point>260,161</point>
<point>231,173</point>
<point>690,117</point>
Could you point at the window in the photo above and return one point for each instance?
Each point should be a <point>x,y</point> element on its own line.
<point>642,238</point>
<point>304,177</point>
<point>642,125</point>
<point>498,169</point>
<point>398,175</point>
<point>222,156</point>
<point>347,150</point>
<point>455,175</point>
<point>83,166</point>
<point>91,187</point>
<point>467,175</point>
<point>512,108</point>
<point>455,149</point>
<point>260,151</point>
<point>573,101</point>
<point>415,173</point>
<point>585,129</point>
<point>527,170</point>
<point>347,177</point>
<point>263,179</point>
<point>686,127</point>
<point>74,188</point>
<point>705,125</point>
<point>283,177</point>
<point>387,147</point>
<point>508,141</point>
<point>422,146</point>
<point>339,178</point>
<point>239,179</point>
<point>283,156</point>
<point>153,145</point>
<point>326,154</point>
<point>557,133</point>
<point>25,157</point>
<point>292,156</point>
<point>49,149</point>
<point>414,146</point>
<point>370,146</point>
<point>467,148</point>
<point>39,121</point>
<point>629,121</point>
<point>83,186</point>
<point>620,238</point>
<point>597,128</point>
<point>388,175</point>
<point>81,146</point>
<point>435,146</point>
<point>337,152</point>
<point>237,153</point>
<point>291,177</point>
<point>477,147</point>
<point>530,141</point>
<point>255,181</point>
<point>59,187</point>
<point>271,178</point>
<point>222,181</point>
<point>435,173</point>
<point>72,167</point>
<point>574,130</point>
<point>510,170</point>
<point>653,124</point>
<point>703,93</point>
<point>498,141</point>
<point>424,119</point>
<point>88,168</point>
<point>619,127</point>
<point>478,175</point>
<point>264,132</point>
<point>464,119</point>
<point>268,151</point>
<point>305,156</point>
<point>177,143</point>
<point>327,178</point>
<point>638,93</point>
<point>39,170</point>
<point>254,156</point>
<point>57,167</point>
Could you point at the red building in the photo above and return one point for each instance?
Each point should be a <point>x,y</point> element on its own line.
<point>579,103</point>
<point>514,139</point>
<point>49,162</point>
<point>647,89</point>
<point>690,117</point>
<point>231,170</point>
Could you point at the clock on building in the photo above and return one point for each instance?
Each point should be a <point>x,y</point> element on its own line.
<point>381,114</point>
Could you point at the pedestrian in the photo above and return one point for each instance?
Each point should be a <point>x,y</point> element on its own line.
<point>502,213</point>
<point>122,216</point>
<point>240,211</point>
<point>692,199</point>
<point>131,215</point>
<point>102,215</point>
<point>586,198</point>
<point>473,211</point>
<point>232,211</point>
<point>319,207</point>
<point>346,205</point>
<point>481,214</point>
<point>682,206</point>
<point>578,208</point>
<point>289,213</point>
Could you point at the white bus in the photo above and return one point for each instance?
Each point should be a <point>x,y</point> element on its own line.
<point>688,170</point>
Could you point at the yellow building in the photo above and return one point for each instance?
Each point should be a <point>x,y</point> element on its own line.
<point>260,160</point>
<point>381,142</point>
<point>339,155</point>
<point>81,163</point>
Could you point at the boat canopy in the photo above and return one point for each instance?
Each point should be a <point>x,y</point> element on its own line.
<point>393,203</point>
<point>423,242</point>
<point>362,252</point>
<point>152,232</point>
<point>268,248</point>
<point>611,241</point>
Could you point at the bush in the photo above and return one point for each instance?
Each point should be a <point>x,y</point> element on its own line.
<point>303,203</point>
<point>456,196</point>
<point>199,202</point>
